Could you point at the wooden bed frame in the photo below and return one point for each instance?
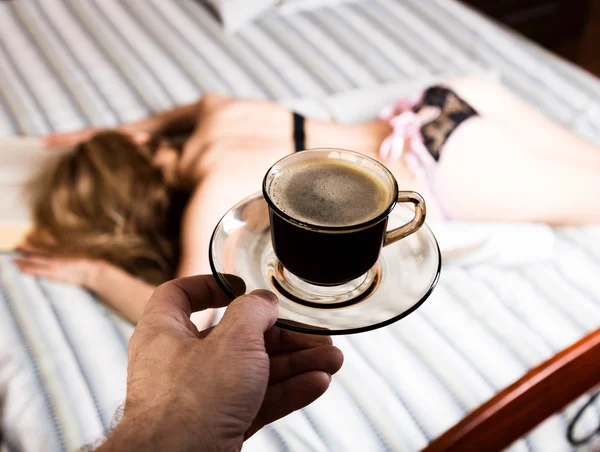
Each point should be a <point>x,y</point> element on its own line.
<point>519,408</point>
<point>548,22</point>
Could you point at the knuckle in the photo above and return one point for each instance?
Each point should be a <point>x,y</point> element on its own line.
<point>265,295</point>
<point>253,297</point>
<point>241,306</point>
<point>240,330</point>
<point>164,286</point>
<point>161,291</point>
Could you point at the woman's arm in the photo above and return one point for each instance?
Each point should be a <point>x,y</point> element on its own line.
<point>177,120</point>
<point>120,290</point>
<point>194,239</point>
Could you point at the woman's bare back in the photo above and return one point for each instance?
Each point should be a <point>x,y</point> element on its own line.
<point>256,131</point>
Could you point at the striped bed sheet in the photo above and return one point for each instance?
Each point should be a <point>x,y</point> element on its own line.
<point>400,387</point>
<point>67,64</point>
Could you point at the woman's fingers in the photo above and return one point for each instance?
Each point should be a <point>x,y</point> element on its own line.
<point>328,359</point>
<point>39,271</point>
<point>35,271</point>
<point>35,261</point>
<point>37,266</point>
<point>39,240</point>
<point>68,139</point>
<point>31,247</point>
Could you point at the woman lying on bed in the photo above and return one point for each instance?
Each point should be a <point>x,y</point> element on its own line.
<point>121,214</point>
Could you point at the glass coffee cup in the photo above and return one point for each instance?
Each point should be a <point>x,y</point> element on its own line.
<point>329,210</point>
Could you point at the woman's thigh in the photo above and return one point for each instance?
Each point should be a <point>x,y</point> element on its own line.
<point>488,173</point>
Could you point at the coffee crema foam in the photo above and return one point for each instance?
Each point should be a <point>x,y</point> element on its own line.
<point>327,192</point>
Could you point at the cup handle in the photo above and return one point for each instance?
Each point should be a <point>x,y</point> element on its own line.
<point>404,231</point>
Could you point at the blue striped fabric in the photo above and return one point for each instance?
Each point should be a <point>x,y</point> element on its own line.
<point>66,64</point>
<point>65,376</point>
<point>402,386</point>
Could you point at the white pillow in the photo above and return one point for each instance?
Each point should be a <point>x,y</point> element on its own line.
<point>364,104</point>
<point>21,158</point>
<point>294,6</point>
<point>235,14</point>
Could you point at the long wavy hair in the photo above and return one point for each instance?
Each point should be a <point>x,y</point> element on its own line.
<point>106,201</point>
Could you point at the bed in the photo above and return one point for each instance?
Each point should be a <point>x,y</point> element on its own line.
<point>500,309</point>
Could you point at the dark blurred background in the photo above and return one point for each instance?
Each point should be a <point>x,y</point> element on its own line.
<point>570,28</point>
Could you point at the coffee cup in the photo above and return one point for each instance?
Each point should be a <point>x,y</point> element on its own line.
<point>329,210</point>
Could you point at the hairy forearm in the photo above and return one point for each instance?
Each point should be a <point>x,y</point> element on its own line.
<point>165,428</point>
<point>141,436</point>
<point>120,290</point>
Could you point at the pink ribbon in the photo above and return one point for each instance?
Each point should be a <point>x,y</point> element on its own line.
<point>406,134</point>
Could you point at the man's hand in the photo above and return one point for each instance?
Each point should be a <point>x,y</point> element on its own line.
<point>210,390</point>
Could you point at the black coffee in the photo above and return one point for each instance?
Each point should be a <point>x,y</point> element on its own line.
<point>325,258</point>
<point>329,193</point>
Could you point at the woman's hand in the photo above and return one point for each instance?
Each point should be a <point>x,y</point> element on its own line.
<point>71,270</point>
<point>178,119</point>
<point>139,133</point>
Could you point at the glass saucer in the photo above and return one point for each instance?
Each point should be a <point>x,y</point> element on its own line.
<point>242,260</point>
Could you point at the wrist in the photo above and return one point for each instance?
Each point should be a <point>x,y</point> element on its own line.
<point>137,435</point>
<point>93,274</point>
<point>150,432</point>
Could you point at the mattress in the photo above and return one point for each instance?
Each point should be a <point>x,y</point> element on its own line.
<point>67,64</point>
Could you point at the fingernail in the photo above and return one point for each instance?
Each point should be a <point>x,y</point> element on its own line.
<point>270,296</point>
<point>330,377</point>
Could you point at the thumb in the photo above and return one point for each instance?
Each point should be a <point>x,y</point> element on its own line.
<point>249,316</point>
